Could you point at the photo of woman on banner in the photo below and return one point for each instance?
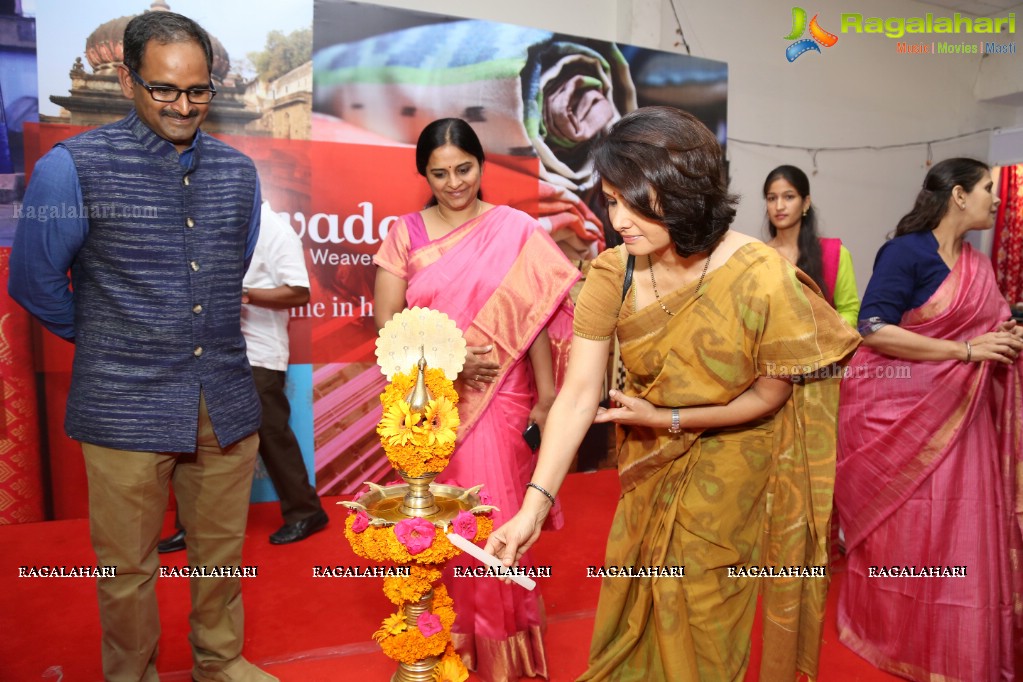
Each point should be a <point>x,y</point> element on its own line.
<point>495,271</point>
<point>528,92</point>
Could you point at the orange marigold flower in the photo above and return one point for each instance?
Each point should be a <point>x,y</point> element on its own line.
<point>450,668</point>
<point>401,590</point>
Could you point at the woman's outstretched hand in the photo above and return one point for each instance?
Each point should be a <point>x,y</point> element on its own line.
<point>509,542</point>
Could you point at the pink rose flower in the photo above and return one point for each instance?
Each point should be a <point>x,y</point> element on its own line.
<point>485,498</point>
<point>465,525</point>
<point>428,623</point>
<point>361,522</point>
<point>416,534</point>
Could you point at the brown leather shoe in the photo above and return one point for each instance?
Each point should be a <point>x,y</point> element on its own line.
<point>238,670</point>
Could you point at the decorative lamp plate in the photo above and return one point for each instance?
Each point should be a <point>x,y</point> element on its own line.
<point>384,502</point>
<point>419,332</point>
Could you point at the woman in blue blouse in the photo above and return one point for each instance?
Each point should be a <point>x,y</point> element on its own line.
<point>930,449</point>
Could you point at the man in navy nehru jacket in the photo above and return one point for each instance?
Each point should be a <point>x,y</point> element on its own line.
<point>160,389</point>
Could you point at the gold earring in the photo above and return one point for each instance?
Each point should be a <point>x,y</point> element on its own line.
<point>805,211</point>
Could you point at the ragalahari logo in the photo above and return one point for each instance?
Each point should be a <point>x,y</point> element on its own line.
<point>818,36</point>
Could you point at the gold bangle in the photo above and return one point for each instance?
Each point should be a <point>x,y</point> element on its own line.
<point>969,350</point>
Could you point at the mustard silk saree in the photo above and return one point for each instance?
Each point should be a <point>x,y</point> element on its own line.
<point>758,494</point>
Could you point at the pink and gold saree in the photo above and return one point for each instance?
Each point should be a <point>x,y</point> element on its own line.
<point>502,280</point>
<point>929,478</point>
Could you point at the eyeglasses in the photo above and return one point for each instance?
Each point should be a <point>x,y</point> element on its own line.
<point>167,94</point>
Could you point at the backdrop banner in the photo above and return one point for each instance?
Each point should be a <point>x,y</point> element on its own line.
<point>333,136</point>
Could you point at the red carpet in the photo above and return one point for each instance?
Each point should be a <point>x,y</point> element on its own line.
<point>301,628</point>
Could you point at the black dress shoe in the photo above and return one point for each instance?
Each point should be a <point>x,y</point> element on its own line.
<point>173,543</point>
<point>300,530</point>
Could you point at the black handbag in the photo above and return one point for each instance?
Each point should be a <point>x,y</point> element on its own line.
<point>630,265</point>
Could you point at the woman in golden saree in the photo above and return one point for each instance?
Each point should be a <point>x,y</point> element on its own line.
<point>726,429</point>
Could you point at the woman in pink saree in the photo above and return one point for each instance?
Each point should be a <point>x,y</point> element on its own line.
<point>930,447</point>
<point>500,277</point>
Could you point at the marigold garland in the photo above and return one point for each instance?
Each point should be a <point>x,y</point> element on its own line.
<point>410,646</point>
<point>402,384</point>
<point>401,590</point>
<point>379,543</point>
<point>419,443</point>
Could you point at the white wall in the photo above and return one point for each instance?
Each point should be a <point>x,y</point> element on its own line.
<point>858,93</point>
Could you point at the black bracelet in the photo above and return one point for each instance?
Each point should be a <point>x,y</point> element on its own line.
<point>546,494</point>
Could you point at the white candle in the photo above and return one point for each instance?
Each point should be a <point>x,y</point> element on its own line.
<point>490,560</point>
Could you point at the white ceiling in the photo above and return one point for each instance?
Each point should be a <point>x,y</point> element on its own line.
<point>979,8</point>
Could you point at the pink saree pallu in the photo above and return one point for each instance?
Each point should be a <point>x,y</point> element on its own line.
<point>502,280</point>
<point>928,483</point>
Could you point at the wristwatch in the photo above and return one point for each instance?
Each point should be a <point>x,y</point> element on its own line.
<point>676,426</point>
